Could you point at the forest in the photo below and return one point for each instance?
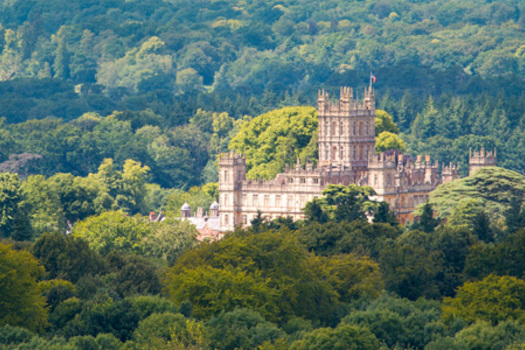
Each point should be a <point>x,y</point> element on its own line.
<point>111,109</point>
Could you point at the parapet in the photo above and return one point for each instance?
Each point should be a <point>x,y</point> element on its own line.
<point>231,158</point>
<point>346,104</point>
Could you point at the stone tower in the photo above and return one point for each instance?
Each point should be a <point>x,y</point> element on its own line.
<point>449,173</point>
<point>346,130</point>
<point>481,159</point>
<point>232,173</point>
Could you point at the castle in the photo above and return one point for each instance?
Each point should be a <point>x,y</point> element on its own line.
<point>346,149</point>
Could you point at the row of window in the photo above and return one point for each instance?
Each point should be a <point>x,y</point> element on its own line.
<point>357,153</point>
<point>303,180</point>
<point>356,128</point>
<point>269,201</point>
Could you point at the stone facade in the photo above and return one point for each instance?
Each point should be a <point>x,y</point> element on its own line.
<point>346,156</point>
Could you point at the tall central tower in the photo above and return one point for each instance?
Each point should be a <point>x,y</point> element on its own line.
<point>346,130</point>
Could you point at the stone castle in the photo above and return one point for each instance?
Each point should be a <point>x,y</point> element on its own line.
<point>346,156</point>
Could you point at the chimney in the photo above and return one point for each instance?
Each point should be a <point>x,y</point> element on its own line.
<point>152,216</point>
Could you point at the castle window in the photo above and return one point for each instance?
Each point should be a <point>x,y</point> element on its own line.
<point>290,201</point>
<point>303,180</point>
<point>302,201</point>
<point>226,197</point>
<point>360,128</point>
<point>388,180</point>
<point>278,200</point>
<point>334,126</point>
<point>355,151</point>
<point>341,129</point>
<point>342,155</point>
<point>255,200</point>
<point>266,201</point>
<point>353,128</point>
<point>226,219</point>
<point>245,220</point>
<point>290,180</point>
<point>244,200</point>
<point>239,175</point>
<point>225,175</point>
<point>375,180</point>
<point>334,153</point>
<point>316,181</point>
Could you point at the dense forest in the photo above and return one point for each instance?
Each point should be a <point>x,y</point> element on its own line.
<point>111,109</point>
<point>333,281</point>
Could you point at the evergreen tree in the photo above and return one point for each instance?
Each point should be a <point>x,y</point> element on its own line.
<point>427,222</point>
<point>514,216</point>
<point>62,57</point>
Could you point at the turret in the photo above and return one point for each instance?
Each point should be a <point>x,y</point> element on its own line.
<point>214,209</point>
<point>449,173</point>
<point>481,159</point>
<point>232,173</point>
<point>185,210</point>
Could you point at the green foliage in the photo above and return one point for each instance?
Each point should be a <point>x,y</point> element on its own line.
<point>483,335</point>
<point>357,237</point>
<point>64,257</point>
<point>270,273</point>
<point>276,138</point>
<point>386,141</point>
<point>398,322</point>
<point>384,123</point>
<point>341,203</point>
<point>342,337</point>
<point>21,301</point>
<point>493,188</point>
<point>240,329</point>
<point>13,222</point>
<point>492,299</point>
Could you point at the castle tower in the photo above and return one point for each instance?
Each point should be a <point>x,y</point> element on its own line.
<point>382,175</point>
<point>214,209</point>
<point>449,173</point>
<point>232,172</point>
<point>185,210</point>
<point>481,159</point>
<point>346,130</point>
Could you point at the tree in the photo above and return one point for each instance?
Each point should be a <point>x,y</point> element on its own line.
<point>493,299</point>
<point>387,141</point>
<point>240,329</point>
<point>273,139</point>
<point>68,257</point>
<point>427,223</point>
<point>515,216</point>
<point>62,56</point>
<point>384,215</point>
<point>13,217</point>
<point>344,337</point>
<point>21,301</point>
<point>113,231</point>
<point>384,122</point>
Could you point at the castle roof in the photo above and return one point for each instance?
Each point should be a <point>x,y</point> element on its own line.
<point>185,206</point>
<point>214,205</point>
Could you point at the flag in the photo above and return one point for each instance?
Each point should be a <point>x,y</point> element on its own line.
<point>372,78</point>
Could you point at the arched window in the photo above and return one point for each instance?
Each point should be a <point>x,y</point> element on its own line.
<point>334,126</point>
<point>225,175</point>
<point>334,153</point>
<point>341,129</point>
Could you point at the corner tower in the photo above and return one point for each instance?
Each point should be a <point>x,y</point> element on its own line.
<point>481,159</point>
<point>232,172</point>
<point>346,130</point>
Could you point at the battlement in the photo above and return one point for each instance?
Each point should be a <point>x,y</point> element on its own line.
<point>346,105</point>
<point>231,158</point>
<point>481,159</point>
<point>449,173</point>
